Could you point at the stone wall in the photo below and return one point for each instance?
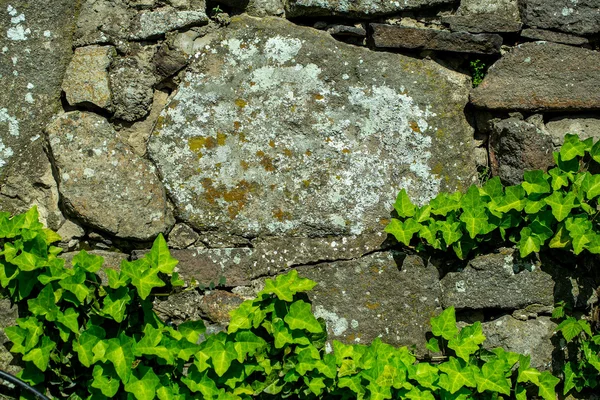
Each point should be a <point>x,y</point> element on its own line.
<point>262,135</point>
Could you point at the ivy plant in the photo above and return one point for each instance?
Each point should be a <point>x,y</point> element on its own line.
<point>81,338</point>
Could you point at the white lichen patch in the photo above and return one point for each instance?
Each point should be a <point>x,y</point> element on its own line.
<point>17,32</point>
<point>12,122</point>
<point>281,50</point>
<point>335,324</point>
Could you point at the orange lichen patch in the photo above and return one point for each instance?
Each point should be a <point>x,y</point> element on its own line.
<point>327,139</point>
<point>287,152</point>
<point>318,96</point>
<point>236,197</point>
<point>308,153</point>
<point>306,182</point>
<point>282,215</point>
<point>252,83</point>
<point>346,151</point>
<point>271,143</point>
<point>173,103</point>
<point>260,153</point>
<point>372,306</point>
<point>374,269</point>
<point>438,169</point>
<point>414,126</point>
<point>210,143</point>
<point>237,125</point>
<point>241,103</point>
<point>384,221</point>
<point>267,163</point>
<point>293,108</point>
<point>242,137</point>
<point>221,138</point>
<point>273,187</point>
<point>160,121</point>
<point>196,143</point>
<point>244,165</point>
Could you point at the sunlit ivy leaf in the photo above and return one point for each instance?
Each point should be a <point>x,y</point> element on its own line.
<point>429,233</point>
<point>353,383</point>
<point>221,355</point>
<point>529,242</point>
<point>559,178</point>
<point>120,354</point>
<point>248,344</point>
<point>573,147</point>
<point>433,345</point>
<point>142,383</point>
<point>492,378</point>
<point>456,375</point>
<point>176,281</point>
<point>417,393</point>
<point>536,181</point>
<point>591,185</point>
<point>287,285</point>
<point>28,261</point>
<point>89,262</point>
<point>201,382</point>
<point>149,345</point>
<point>403,205</point>
<point>75,284</point>
<point>316,385</point>
<point>450,231</point>
<point>444,325</point>
<point>475,221</point>
<point>468,340</point>
<point>44,304</point>
<point>69,319</point>
<point>40,356</point>
<point>514,199</point>
<point>300,316</point>
<point>423,213</point>
<point>561,205</point>
<point>86,342</point>
<point>160,257</point>
<point>242,316</point>
<point>471,199</point>
<point>570,328</point>
<point>493,188</point>
<point>425,374</point>
<point>307,360</point>
<point>525,373</point>
<point>281,333</point>
<point>379,392</point>
<point>10,228</point>
<point>115,303</point>
<point>534,206</point>
<point>191,330</point>
<point>143,280</point>
<point>547,384</point>
<point>443,203</point>
<point>106,379</point>
<point>570,380</point>
<point>116,279</point>
<point>403,231</point>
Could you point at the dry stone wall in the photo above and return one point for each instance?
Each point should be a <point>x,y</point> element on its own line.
<point>265,135</point>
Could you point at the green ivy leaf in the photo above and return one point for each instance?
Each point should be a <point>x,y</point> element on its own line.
<point>106,379</point>
<point>120,354</point>
<point>287,285</point>
<point>475,221</point>
<point>425,374</point>
<point>221,355</point>
<point>529,242</point>
<point>493,188</point>
<point>28,261</point>
<point>569,328</point>
<point>403,231</point>
<point>69,319</point>
<point>433,345</point>
<point>457,375</point>
<point>40,356</point>
<point>423,214</point>
<point>536,181</point>
<point>44,304</point>
<point>403,205</point>
<point>300,316</point>
<point>591,185</point>
<point>514,199</point>
<point>160,257</point>
<point>75,284</point>
<point>525,373</point>
<point>450,231</point>
<point>191,330</point>
<point>429,233</point>
<point>444,325</point>
<point>468,340</point>
<point>115,303</point>
<point>559,178</point>
<point>144,279</point>
<point>201,382</point>
<point>547,384</point>
<point>85,344</point>
<point>443,204</point>
<point>248,344</point>
<point>561,205</point>
<point>471,199</point>
<point>492,378</point>
<point>573,147</point>
<point>142,383</point>
<point>89,262</point>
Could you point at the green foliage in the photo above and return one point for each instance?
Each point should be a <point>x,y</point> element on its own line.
<point>557,209</point>
<point>478,69</point>
<point>81,339</point>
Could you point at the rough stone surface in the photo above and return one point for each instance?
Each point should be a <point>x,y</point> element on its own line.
<point>359,8</point>
<point>531,337</point>
<point>486,16</point>
<point>168,61</point>
<point>352,127</point>
<point>217,304</point>
<point>397,36</point>
<point>35,44</point>
<point>103,21</point>
<point>227,267</point>
<point>70,232</point>
<point>497,281</point>
<point>131,80</point>
<point>86,79</point>
<point>153,24</point>
<point>376,296</point>
<point>516,146</point>
<point>179,307</point>
<point>542,76</point>
<point>347,30</point>
<point>581,17</point>
<point>556,37</point>
<point>112,260</point>
<point>102,182</point>
<point>265,8</point>
<point>585,126</point>
<point>182,236</point>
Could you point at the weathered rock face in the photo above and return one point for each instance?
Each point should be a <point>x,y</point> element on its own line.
<point>580,17</point>
<point>279,129</point>
<point>551,36</point>
<point>102,182</point>
<point>486,16</point>
<point>531,337</point>
<point>150,24</point>
<point>131,81</point>
<point>360,8</point>
<point>103,21</point>
<point>35,43</point>
<point>395,36</point>
<point>497,281</point>
<point>585,126</point>
<point>517,145</point>
<point>375,296</point>
<point>542,76</point>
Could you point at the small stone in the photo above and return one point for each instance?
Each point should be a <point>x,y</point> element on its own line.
<point>345,30</point>
<point>556,37</point>
<point>178,307</point>
<point>69,233</point>
<point>485,16</point>
<point>142,4</point>
<point>585,126</point>
<point>182,236</point>
<point>581,17</point>
<point>153,24</point>
<point>396,36</point>
<point>169,61</point>
<point>132,81</point>
<point>217,304</point>
<point>265,8</point>
<point>103,21</point>
<point>321,25</point>
<point>86,79</point>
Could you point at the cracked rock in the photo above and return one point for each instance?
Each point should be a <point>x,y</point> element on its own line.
<point>102,182</point>
<point>131,80</point>
<point>182,236</point>
<point>154,24</point>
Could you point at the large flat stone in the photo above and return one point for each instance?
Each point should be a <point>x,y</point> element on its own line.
<point>379,295</point>
<point>359,8</point>
<point>497,281</point>
<point>102,22</point>
<point>102,182</point>
<point>397,36</point>
<point>281,130</point>
<point>581,17</point>
<point>556,37</point>
<point>153,24</point>
<point>542,76</point>
<point>35,43</point>
<point>486,16</point>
